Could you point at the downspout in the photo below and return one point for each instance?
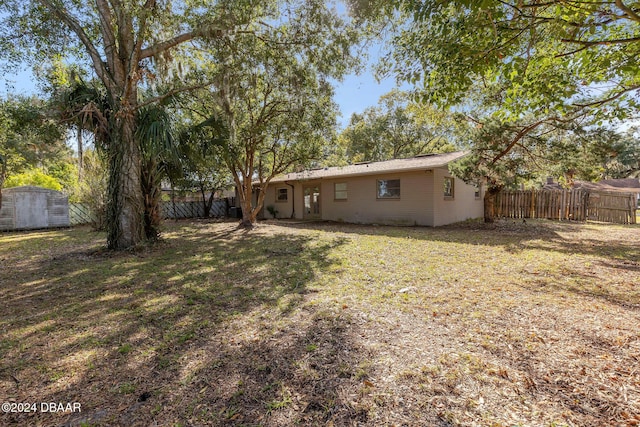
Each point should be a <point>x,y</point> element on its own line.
<point>293,200</point>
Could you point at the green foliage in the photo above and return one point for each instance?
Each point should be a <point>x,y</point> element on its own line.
<point>623,160</point>
<point>33,177</point>
<point>94,187</point>
<point>66,173</point>
<point>594,154</point>
<point>126,46</point>
<point>32,145</point>
<point>273,211</point>
<point>522,73</point>
<point>514,154</point>
<point>397,128</point>
<point>29,137</point>
<point>156,138</point>
<point>201,166</point>
<point>259,56</point>
<point>551,55</point>
<point>272,106</point>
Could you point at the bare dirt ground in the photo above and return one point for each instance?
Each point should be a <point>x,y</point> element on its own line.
<point>513,324</point>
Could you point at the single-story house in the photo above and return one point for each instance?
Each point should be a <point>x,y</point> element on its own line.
<point>414,191</point>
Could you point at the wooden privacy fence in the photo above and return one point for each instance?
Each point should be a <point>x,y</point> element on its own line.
<point>547,204</point>
<point>614,207</point>
<point>576,204</point>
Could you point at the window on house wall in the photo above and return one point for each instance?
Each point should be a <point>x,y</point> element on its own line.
<point>340,191</point>
<point>388,188</point>
<point>477,191</point>
<point>282,194</point>
<point>448,187</point>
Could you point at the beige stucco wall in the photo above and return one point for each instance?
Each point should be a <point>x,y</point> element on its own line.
<point>283,208</point>
<point>421,200</point>
<point>462,206</point>
<point>362,206</point>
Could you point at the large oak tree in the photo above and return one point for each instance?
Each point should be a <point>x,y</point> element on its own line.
<point>270,108</point>
<point>127,45</point>
<point>519,70</point>
<point>556,55</point>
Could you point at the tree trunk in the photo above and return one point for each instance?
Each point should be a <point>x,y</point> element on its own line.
<point>204,202</point>
<point>3,175</point>
<point>173,202</point>
<point>152,194</point>
<point>490,204</point>
<point>250,216</point>
<point>80,152</point>
<point>209,204</point>
<point>248,213</point>
<point>125,201</point>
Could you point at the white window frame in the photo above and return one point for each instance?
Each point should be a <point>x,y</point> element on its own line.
<point>388,195</point>
<point>340,194</point>
<point>450,194</point>
<point>286,193</point>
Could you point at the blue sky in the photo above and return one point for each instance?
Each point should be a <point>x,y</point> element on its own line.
<point>358,92</point>
<point>353,94</point>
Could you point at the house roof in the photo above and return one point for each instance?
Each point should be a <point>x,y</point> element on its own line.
<point>421,162</point>
<point>622,183</point>
<point>629,185</point>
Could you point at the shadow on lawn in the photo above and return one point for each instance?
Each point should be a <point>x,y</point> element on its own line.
<point>610,257</point>
<point>513,235</point>
<point>156,334</point>
<point>213,326</point>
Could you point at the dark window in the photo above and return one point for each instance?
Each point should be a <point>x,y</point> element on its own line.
<point>388,189</point>
<point>282,194</point>
<point>448,187</point>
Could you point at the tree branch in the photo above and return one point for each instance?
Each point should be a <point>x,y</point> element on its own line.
<point>517,138</point>
<point>609,99</point>
<point>137,50</point>
<point>173,92</point>
<point>168,44</point>
<point>106,20</point>
<point>632,14</point>
<point>99,66</point>
<point>589,43</point>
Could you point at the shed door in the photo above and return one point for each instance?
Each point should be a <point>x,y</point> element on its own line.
<point>31,210</point>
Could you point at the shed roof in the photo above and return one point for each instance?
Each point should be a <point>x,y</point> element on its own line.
<point>422,162</point>
<point>29,189</point>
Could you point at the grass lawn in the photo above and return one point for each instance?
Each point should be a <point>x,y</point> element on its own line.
<point>514,324</point>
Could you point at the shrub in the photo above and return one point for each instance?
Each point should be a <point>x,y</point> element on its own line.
<point>33,177</point>
<point>273,211</point>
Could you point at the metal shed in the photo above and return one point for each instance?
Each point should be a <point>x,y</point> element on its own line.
<point>30,207</point>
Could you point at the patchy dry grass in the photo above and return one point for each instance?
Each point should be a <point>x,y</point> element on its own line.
<point>532,324</point>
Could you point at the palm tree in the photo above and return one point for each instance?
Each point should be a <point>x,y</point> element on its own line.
<point>89,108</point>
<point>158,150</point>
